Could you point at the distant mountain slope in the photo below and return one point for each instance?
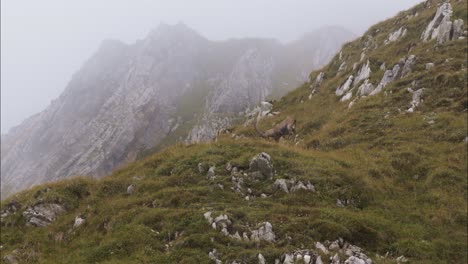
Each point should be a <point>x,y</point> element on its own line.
<point>129,99</point>
<point>376,173</point>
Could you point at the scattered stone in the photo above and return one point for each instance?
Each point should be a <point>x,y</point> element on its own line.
<point>409,63</point>
<point>429,65</point>
<point>458,26</point>
<point>288,259</point>
<point>354,260</point>
<point>346,97</point>
<point>237,236</point>
<point>334,245</point>
<point>316,85</point>
<point>261,259</point>
<point>319,260</point>
<point>335,259</point>
<point>261,166</point>
<point>281,184</point>
<point>339,203</point>
<point>293,185</point>
<point>11,259</point>
<point>201,168</point>
<point>345,87</point>
<point>10,209</point>
<point>228,167</point>
<point>41,215</point>
<point>264,232</point>
<point>394,36</point>
<point>59,236</point>
<point>130,189</point>
<point>389,76</point>
<point>355,66</point>
<point>208,217</point>
<point>341,68</point>
<point>416,100</point>
<point>441,27</point>
<point>213,255</point>
<point>366,88</point>
<point>401,259</point>
<point>321,247</point>
<point>383,67</point>
<point>363,73</point>
<point>211,173</point>
<point>78,221</point>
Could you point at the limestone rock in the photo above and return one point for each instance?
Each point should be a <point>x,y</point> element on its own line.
<point>41,215</point>
<point>365,88</point>
<point>10,259</point>
<point>293,185</point>
<point>319,260</point>
<point>262,164</point>
<point>416,99</point>
<point>346,97</point>
<point>389,76</point>
<point>458,28</point>
<point>354,260</point>
<point>261,259</point>
<point>78,221</point>
<point>211,173</point>
<point>443,14</point>
<point>409,63</point>
<point>321,247</point>
<point>201,168</point>
<point>342,67</point>
<point>394,36</point>
<point>441,27</point>
<point>364,73</point>
<point>429,65</point>
<point>264,232</point>
<point>288,259</point>
<point>401,259</point>
<point>10,209</point>
<point>130,189</point>
<point>208,217</point>
<point>345,86</point>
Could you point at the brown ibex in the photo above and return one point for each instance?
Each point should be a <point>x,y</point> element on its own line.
<point>286,127</point>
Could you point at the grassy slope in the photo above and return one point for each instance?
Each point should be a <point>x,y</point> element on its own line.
<point>408,176</point>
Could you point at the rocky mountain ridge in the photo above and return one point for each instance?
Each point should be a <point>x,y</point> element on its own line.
<point>129,99</point>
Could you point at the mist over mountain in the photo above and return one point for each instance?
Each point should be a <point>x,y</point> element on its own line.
<point>231,153</point>
<point>174,85</point>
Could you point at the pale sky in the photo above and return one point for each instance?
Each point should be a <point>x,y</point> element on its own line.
<point>44,42</point>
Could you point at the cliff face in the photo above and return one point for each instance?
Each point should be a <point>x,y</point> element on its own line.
<point>129,98</point>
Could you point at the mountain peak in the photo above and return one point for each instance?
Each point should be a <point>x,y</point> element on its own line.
<point>164,30</point>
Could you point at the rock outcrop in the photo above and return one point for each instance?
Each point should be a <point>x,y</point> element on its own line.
<point>42,214</point>
<point>261,166</point>
<point>441,27</point>
<point>394,36</point>
<point>222,223</point>
<point>288,186</point>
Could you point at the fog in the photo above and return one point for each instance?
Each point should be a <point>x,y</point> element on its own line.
<point>44,42</point>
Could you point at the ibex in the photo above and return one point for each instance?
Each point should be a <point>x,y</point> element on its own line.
<point>286,127</point>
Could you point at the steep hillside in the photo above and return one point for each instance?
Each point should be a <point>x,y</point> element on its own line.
<point>376,173</point>
<point>130,99</point>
